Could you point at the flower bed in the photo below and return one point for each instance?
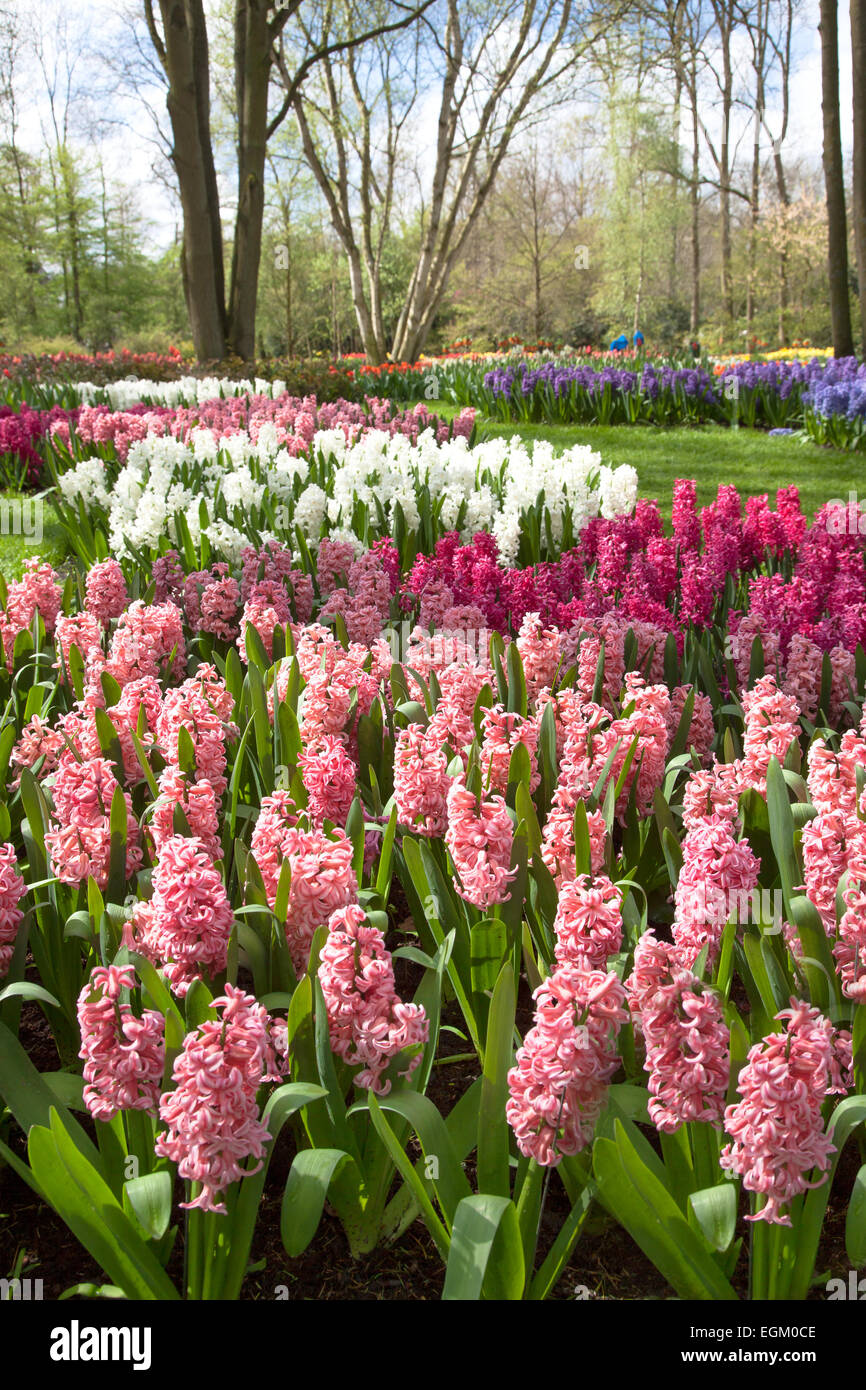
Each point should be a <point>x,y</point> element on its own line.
<point>25,435</point>
<point>287,478</point>
<point>626,778</point>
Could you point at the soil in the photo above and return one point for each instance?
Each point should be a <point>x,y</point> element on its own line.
<point>606,1264</point>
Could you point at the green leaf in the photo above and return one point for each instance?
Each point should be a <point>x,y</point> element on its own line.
<point>782,830</point>
<point>452,1185</point>
<point>87,1205</point>
<point>412,1179</point>
<point>560,1252</point>
<point>855,1222</point>
<point>713,1212</point>
<point>641,1203</point>
<point>149,1200</point>
<point>493,1130</point>
<point>485,1224</point>
<point>31,1100</point>
<point>284,1102</point>
<point>25,989</point>
<point>304,1196</point>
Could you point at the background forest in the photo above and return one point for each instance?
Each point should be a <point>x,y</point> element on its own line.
<point>650,181</point>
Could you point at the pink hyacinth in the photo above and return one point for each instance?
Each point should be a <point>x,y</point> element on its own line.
<point>588,923</point>
<point>81,630</point>
<point>37,741</point>
<point>687,1040</point>
<point>37,591</point>
<point>776,1128</point>
<point>421,782</point>
<point>479,839</point>
<point>541,652</point>
<point>186,925</point>
<point>212,1117</point>
<point>12,890</point>
<point>336,681</point>
<point>323,881</point>
<point>718,874</point>
<point>330,777</point>
<point>712,796</point>
<point>771,727</point>
<point>850,948</point>
<point>827,843</point>
<point>106,592</point>
<point>503,731</point>
<point>123,1056</point>
<point>701,731</point>
<point>278,812</point>
<point>202,706</point>
<point>832,776</point>
<point>558,1087</point>
<point>265,619</point>
<point>368,1022</point>
<point>803,671</point>
<point>78,840</point>
<point>147,641</point>
<point>196,799</point>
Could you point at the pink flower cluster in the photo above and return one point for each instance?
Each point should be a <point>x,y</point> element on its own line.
<point>687,1040</point>
<point>368,1022</point>
<point>295,420</point>
<point>12,890</point>
<point>718,874</point>
<point>186,925</point>
<point>558,1087</point>
<point>479,839</point>
<point>106,592</point>
<point>124,1056</point>
<point>588,922</point>
<point>212,1116</point>
<point>776,1128</point>
<point>78,840</point>
<point>322,877</point>
<point>421,782</point>
<point>37,591</point>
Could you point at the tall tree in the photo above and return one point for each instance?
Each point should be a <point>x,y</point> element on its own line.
<point>858,199</point>
<point>834,180</point>
<point>226,323</point>
<point>490,69</point>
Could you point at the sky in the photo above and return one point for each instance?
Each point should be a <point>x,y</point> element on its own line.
<point>129,142</point>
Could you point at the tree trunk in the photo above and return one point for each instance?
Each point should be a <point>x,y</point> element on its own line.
<point>858,203</point>
<point>725,180</point>
<point>252,77</point>
<point>754,201</point>
<point>837,231</point>
<point>695,201</point>
<point>187,68</point>
<point>785,200</point>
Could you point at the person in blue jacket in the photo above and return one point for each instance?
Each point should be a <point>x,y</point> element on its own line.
<point>638,340</point>
<point>619,344</point>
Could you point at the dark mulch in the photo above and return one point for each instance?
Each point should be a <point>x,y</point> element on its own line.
<point>606,1264</point>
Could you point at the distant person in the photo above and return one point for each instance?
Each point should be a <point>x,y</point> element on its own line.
<point>619,344</point>
<point>638,341</point>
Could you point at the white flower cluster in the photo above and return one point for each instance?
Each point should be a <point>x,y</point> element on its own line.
<point>491,486</point>
<point>217,485</point>
<point>187,390</point>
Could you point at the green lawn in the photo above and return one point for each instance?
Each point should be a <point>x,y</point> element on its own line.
<point>710,454</point>
<point>15,549</point>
